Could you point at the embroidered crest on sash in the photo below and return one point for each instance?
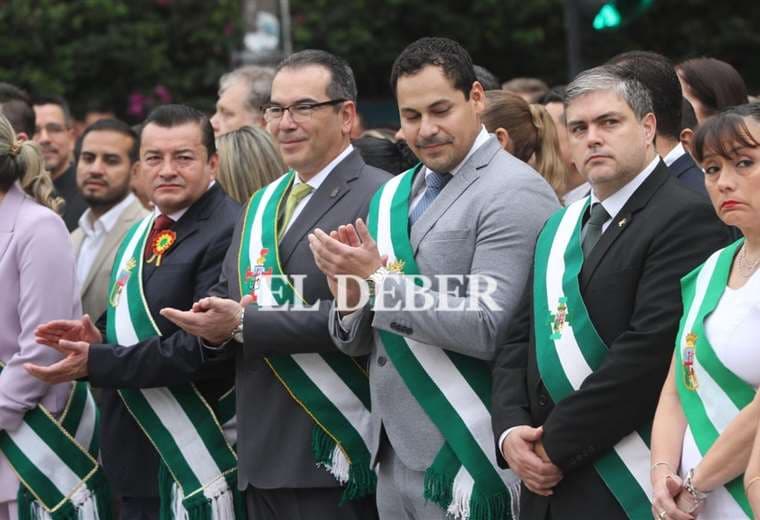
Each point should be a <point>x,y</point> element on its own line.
<point>121,282</point>
<point>558,320</point>
<point>690,377</point>
<point>253,275</point>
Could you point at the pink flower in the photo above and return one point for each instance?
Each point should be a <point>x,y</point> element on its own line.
<point>163,94</point>
<point>136,104</point>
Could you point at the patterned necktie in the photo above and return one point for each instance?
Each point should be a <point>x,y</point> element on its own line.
<point>435,183</point>
<point>161,223</point>
<point>593,228</point>
<point>297,194</point>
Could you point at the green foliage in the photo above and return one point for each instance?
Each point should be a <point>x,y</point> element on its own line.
<point>129,54</point>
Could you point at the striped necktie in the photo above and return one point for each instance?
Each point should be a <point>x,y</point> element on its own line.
<point>435,183</point>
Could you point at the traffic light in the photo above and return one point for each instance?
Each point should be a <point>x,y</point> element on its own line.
<point>616,13</point>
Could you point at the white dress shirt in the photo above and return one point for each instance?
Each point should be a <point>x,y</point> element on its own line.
<point>315,182</point>
<point>95,231</point>
<point>675,154</point>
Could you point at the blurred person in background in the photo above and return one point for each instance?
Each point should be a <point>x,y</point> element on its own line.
<point>106,158</point>
<point>688,125</point>
<point>242,93</point>
<point>381,149</point>
<point>248,160</point>
<point>708,413</point>
<point>530,89</point>
<point>141,185</point>
<point>657,74</point>
<point>486,78</point>
<point>711,85</point>
<point>527,132</point>
<point>576,186</point>
<point>55,134</point>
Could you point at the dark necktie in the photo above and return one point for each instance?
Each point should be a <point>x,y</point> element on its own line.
<point>593,228</point>
<point>435,183</point>
<point>161,223</point>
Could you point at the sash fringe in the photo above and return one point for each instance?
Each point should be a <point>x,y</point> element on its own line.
<point>220,501</point>
<point>359,479</point>
<point>92,502</point>
<point>469,504</point>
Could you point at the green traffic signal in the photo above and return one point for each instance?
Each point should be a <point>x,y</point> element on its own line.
<point>615,13</point>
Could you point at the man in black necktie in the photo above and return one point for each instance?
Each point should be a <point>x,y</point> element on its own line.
<point>577,380</point>
<point>181,259</point>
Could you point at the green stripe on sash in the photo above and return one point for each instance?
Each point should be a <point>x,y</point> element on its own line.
<point>338,444</point>
<point>567,329</point>
<point>698,305</point>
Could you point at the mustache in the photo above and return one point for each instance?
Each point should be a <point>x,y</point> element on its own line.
<point>432,141</point>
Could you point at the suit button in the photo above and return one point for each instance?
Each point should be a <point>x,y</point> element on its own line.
<point>541,400</point>
<point>382,360</point>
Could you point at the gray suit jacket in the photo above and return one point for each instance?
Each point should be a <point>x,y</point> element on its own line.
<point>484,222</point>
<point>95,288</point>
<point>274,432</point>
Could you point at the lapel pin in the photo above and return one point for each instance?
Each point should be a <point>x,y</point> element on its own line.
<point>622,222</point>
<point>334,192</point>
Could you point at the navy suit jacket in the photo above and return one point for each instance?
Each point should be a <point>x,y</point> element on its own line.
<point>187,272</point>
<point>689,174</point>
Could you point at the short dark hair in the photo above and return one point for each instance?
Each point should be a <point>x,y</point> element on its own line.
<point>688,117</point>
<point>726,132</point>
<point>439,52</point>
<point>55,100</point>
<point>170,116</point>
<point>658,75</point>
<point>111,125</point>
<point>715,83</point>
<point>556,94</point>
<point>486,78</point>
<point>16,106</point>
<point>342,83</point>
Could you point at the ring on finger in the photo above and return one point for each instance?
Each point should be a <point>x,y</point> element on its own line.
<point>662,515</point>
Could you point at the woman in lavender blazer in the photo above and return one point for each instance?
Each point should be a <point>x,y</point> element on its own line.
<point>37,284</point>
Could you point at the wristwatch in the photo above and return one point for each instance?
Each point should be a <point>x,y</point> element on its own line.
<point>376,279</point>
<point>237,332</point>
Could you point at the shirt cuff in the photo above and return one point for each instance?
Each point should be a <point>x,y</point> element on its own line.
<point>503,437</point>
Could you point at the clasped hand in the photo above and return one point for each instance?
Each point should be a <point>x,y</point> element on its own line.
<point>525,454</point>
<point>72,338</point>
<point>213,319</point>
<point>671,500</point>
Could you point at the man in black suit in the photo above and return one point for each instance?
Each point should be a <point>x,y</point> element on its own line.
<point>178,153</point>
<point>643,231</point>
<point>657,74</point>
<point>311,114</point>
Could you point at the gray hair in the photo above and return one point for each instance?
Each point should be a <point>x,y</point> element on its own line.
<point>608,77</point>
<point>342,83</point>
<point>259,82</point>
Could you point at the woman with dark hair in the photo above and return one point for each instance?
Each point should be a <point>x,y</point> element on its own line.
<point>527,132</point>
<point>708,414</point>
<point>711,85</point>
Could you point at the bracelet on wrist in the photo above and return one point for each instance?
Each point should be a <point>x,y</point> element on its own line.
<point>666,464</point>
<point>752,481</point>
<point>688,485</point>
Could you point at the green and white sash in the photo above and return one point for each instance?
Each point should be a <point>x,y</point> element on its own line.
<point>711,395</point>
<point>331,387</point>
<point>568,350</point>
<point>55,460</point>
<point>453,389</point>
<point>198,476</point>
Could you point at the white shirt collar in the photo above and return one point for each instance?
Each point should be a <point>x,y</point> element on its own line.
<point>179,213</point>
<point>93,226</point>
<point>615,202</point>
<point>675,154</point>
<point>316,181</point>
<point>482,137</point>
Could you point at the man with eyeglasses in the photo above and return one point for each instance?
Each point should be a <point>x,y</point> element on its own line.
<point>302,406</point>
<point>54,133</point>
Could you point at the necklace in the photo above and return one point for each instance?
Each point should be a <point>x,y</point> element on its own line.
<point>746,266</point>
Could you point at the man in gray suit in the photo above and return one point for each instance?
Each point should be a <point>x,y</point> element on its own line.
<point>283,359</point>
<point>106,156</point>
<point>469,209</point>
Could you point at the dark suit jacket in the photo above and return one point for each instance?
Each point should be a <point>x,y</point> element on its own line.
<point>689,173</point>
<point>274,432</point>
<point>187,272</point>
<point>630,285</point>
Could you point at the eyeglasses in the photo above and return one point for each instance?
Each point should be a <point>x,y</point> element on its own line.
<point>299,112</point>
